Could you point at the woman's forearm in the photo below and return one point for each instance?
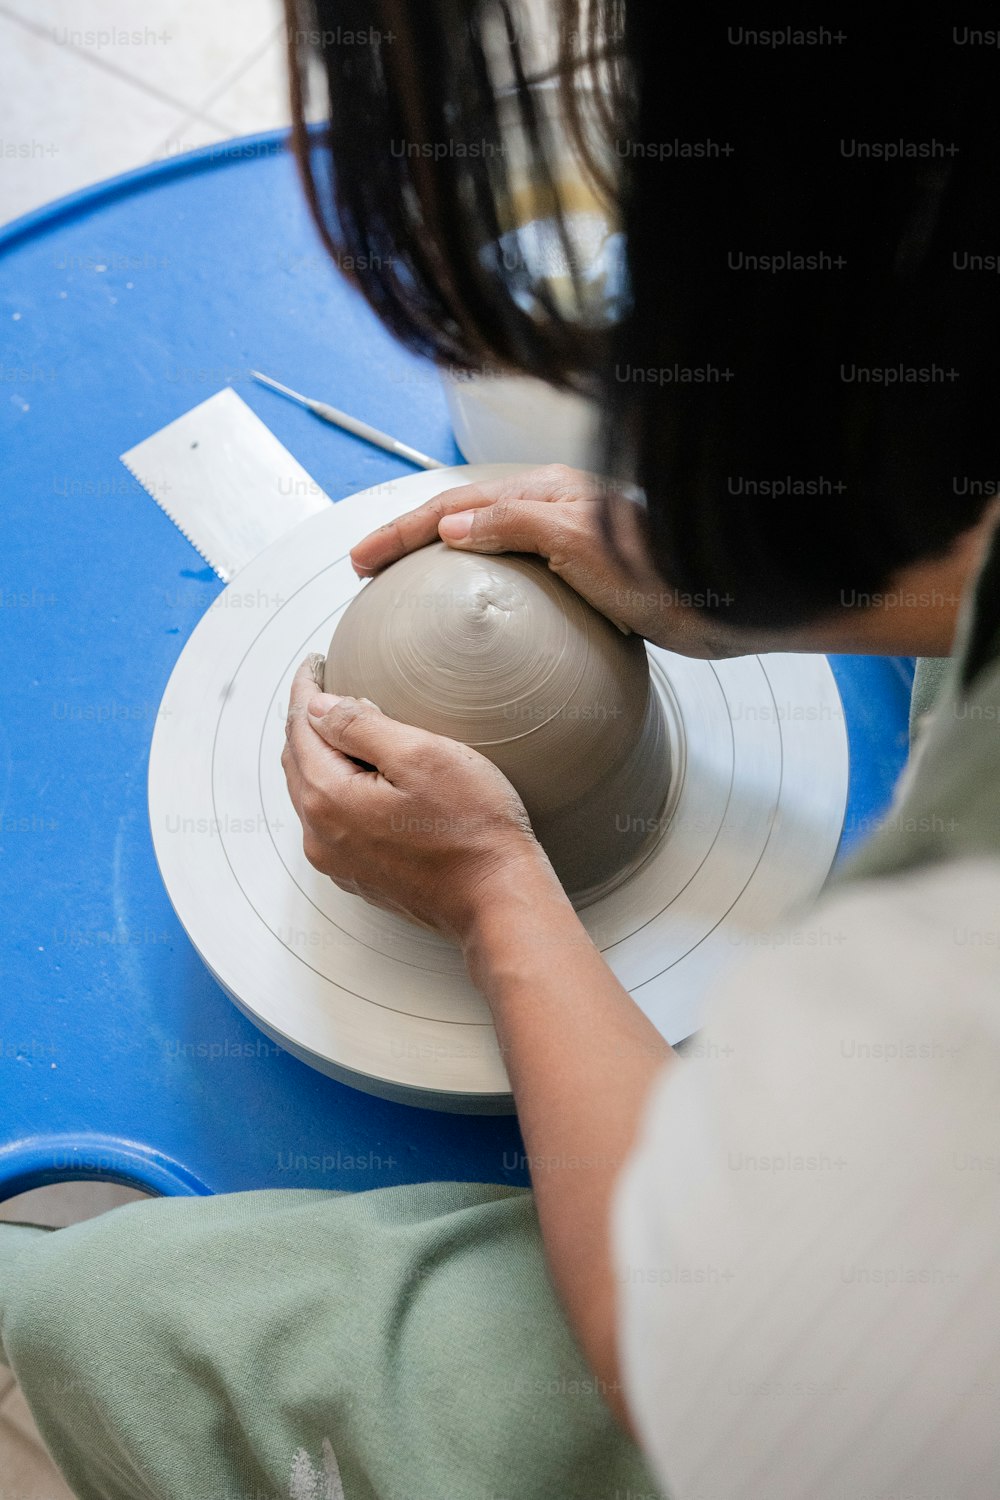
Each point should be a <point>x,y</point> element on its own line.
<point>581,1058</point>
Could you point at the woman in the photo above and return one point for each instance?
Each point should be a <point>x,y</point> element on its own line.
<point>777,1257</point>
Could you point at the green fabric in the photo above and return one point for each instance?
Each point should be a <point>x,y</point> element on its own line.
<point>948,801</point>
<point>14,1238</point>
<point>928,680</point>
<point>403,1344</point>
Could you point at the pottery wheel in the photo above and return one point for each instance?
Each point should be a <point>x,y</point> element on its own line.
<point>751,826</point>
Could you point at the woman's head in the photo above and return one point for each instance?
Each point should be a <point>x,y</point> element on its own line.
<point>801,379</point>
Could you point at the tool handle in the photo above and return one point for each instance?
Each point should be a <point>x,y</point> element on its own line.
<point>372,435</point>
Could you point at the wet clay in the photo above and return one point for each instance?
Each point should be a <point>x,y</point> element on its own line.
<point>500,653</point>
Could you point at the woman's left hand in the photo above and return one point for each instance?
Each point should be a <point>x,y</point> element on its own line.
<point>425,826</point>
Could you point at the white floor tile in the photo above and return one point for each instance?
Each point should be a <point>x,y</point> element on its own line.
<point>254,100</point>
<point>65,123</point>
<point>191,133</point>
<point>258,99</point>
<point>182,49</point>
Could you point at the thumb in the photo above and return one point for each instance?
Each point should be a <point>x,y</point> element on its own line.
<point>506,526</point>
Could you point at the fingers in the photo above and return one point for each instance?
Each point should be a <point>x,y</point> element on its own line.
<point>304,755</point>
<point>415,529</point>
<point>326,736</point>
<point>308,677</point>
<point>355,728</point>
<point>515,526</point>
<point>553,482</point>
<point>307,682</point>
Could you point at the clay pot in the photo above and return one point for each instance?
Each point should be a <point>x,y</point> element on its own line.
<point>500,653</point>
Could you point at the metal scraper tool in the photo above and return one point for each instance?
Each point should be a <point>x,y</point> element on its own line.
<point>225,481</point>
<point>354,425</point>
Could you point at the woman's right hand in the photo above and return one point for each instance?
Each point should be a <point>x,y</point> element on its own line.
<point>555,512</point>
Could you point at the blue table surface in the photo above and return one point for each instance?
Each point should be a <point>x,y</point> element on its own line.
<point>120,308</point>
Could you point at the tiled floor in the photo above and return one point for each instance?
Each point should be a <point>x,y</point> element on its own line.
<point>90,88</point>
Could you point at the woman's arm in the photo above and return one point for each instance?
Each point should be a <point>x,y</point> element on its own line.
<point>581,1058</point>
<point>580,1055</point>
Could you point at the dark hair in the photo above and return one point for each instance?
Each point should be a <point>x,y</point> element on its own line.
<point>862,371</point>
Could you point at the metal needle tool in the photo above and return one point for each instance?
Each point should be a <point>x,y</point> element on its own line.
<point>353,424</point>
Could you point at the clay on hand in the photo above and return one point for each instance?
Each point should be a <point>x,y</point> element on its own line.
<point>498,652</point>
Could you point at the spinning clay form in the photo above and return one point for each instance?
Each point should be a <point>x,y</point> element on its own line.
<point>498,652</point>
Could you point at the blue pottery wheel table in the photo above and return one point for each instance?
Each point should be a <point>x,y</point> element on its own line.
<point>121,308</point>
